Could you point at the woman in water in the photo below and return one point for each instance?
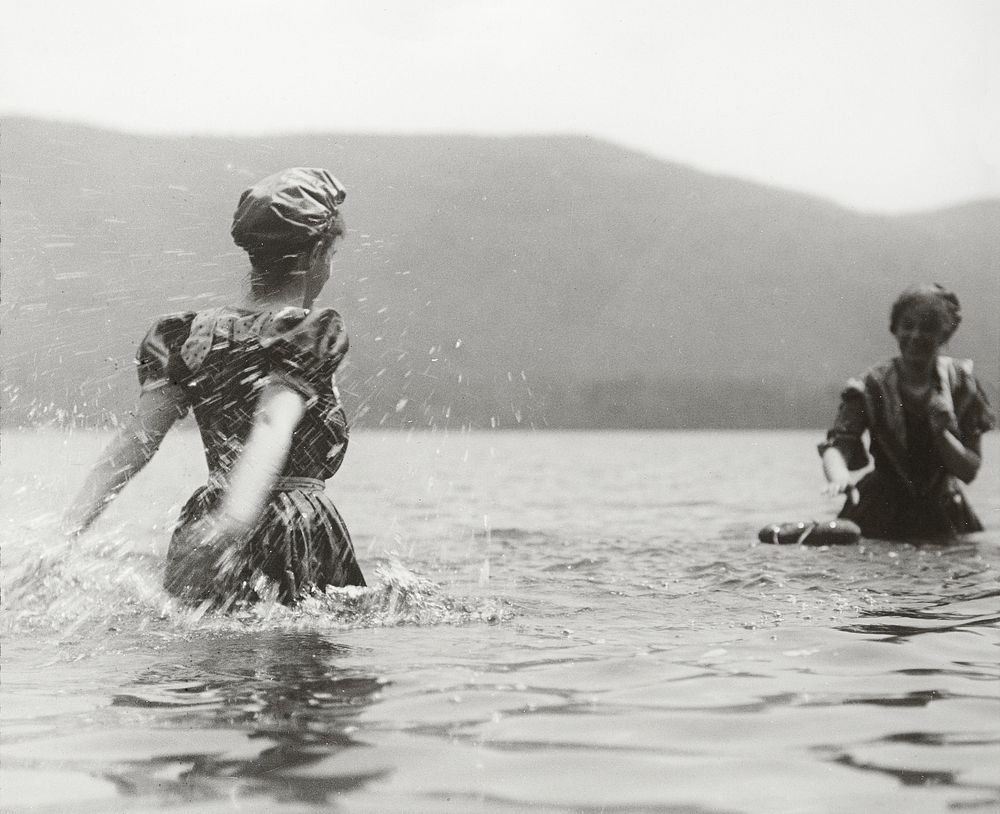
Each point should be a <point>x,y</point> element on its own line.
<point>924,413</point>
<point>258,375</point>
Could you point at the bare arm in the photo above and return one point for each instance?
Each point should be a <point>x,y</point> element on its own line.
<point>131,449</point>
<point>844,450</point>
<point>838,476</point>
<point>213,556</point>
<point>957,458</point>
<point>260,463</point>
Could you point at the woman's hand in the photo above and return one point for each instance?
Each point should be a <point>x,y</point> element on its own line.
<point>210,559</point>
<point>841,486</point>
<point>940,415</point>
<point>226,536</point>
<point>838,476</point>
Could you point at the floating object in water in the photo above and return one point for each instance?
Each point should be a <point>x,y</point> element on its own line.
<point>812,532</point>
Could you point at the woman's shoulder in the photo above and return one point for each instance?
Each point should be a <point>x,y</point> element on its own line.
<point>167,333</point>
<point>319,332</point>
<point>957,370</point>
<point>299,319</point>
<point>959,376</point>
<point>160,349</point>
<point>881,371</point>
<point>874,378</point>
<point>969,396</point>
<point>172,322</point>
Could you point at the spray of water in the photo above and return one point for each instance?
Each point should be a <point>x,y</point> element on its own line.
<point>76,590</point>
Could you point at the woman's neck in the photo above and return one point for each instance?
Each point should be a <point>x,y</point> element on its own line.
<point>268,302</point>
<point>258,298</point>
<point>917,372</point>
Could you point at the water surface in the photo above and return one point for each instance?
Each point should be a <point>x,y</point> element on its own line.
<point>558,622</point>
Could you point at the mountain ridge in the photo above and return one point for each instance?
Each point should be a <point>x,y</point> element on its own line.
<point>486,281</point>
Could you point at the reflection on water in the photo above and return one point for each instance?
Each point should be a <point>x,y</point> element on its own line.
<point>904,631</point>
<point>283,692</point>
<point>907,777</point>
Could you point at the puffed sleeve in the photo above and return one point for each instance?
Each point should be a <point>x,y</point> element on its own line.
<point>848,429</point>
<point>305,353</point>
<point>158,359</point>
<point>972,407</point>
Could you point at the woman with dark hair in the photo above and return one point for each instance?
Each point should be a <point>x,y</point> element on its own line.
<point>259,376</point>
<point>924,414</point>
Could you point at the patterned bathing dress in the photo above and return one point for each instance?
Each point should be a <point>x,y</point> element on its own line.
<point>221,358</point>
<point>908,494</point>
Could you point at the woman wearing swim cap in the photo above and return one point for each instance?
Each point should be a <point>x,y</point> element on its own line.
<point>924,413</point>
<point>259,377</point>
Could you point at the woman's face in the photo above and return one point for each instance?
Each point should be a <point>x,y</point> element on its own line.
<point>919,332</point>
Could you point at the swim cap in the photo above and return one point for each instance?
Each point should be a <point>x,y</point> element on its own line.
<point>288,210</point>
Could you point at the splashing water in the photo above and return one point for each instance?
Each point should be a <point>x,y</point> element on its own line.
<point>80,590</point>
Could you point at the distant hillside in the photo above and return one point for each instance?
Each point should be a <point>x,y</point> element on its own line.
<point>535,281</point>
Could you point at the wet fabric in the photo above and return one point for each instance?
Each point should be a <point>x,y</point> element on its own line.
<point>291,209</point>
<point>908,494</point>
<point>221,359</point>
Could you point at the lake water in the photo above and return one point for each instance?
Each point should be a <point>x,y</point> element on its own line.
<point>558,622</point>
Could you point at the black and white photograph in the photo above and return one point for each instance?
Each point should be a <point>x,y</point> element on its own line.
<point>495,406</point>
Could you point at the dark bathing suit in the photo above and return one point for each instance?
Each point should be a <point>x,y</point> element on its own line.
<point>221,358</point>
<point>908,494</point>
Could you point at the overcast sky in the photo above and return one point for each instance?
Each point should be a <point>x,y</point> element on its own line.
<point>882,105</point>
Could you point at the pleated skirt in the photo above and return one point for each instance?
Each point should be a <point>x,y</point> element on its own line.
<point>300,544</point>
